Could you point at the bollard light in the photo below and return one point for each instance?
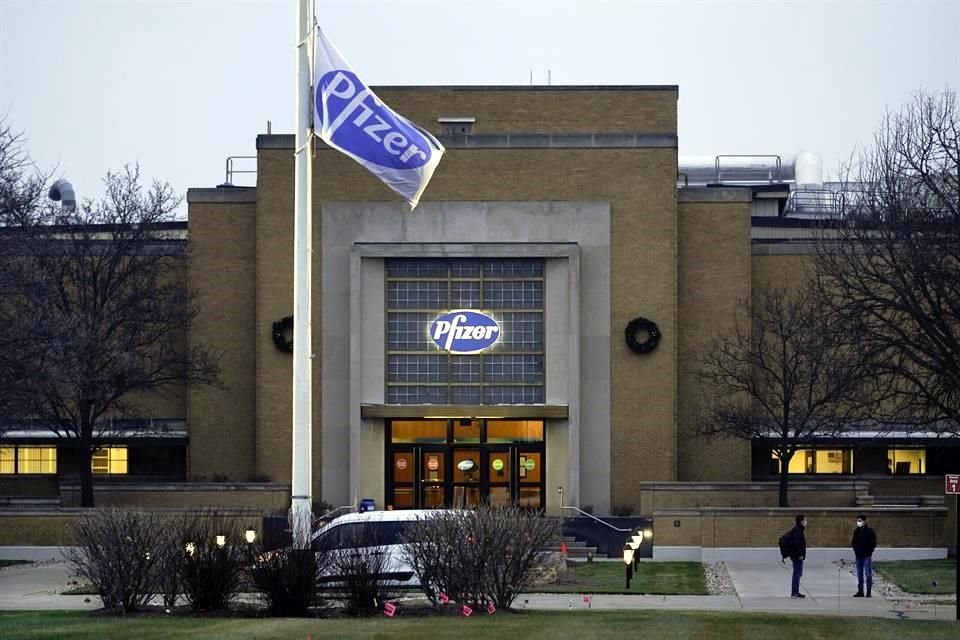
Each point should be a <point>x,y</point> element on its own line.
<point>628,562</point>
<point>250,535</point>
<point>221,541</point>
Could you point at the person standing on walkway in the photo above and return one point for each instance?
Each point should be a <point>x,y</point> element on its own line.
<point>798,553</point>
<point>864,542</point>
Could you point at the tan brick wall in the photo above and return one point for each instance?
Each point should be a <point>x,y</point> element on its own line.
<point>780,271</point>
<point>639,183</point>
<point>53,529</point>
<point>714,276</point>
<point>658,496</point>
<point>34,486</point>
<point>223,262</point>
<point>538,110</point>
<point>263,498</point>
<point>826,527</point>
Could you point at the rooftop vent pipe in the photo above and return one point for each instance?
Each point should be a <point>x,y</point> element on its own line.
<point>62,191</point>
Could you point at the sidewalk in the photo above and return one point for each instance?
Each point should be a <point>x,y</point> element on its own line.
<point>761,587</point>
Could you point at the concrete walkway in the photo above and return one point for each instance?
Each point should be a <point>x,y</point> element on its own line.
<point>761,587</point>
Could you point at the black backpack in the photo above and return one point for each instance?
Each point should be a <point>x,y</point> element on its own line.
<point>786,546</point>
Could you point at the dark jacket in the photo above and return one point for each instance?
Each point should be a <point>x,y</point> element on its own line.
<point>798,543</point>
<point>864,541</point>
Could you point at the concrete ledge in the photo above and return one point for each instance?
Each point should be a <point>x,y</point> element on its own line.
<point>829,485</point>
<point>815,555</point>
<point>36,554</point>
<point>222,194</point>
<point>180,486</point>
<point>521,141</point>
<point>712,194</point>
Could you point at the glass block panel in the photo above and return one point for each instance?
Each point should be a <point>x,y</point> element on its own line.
<point>465,395</point>
<point>416,268</point>
<point>512,395</point>
<point>465,369</point>
<point>513,268</point>
<point>419,368</point>
<point>465,269</point>
<point>513,368</point>
<point>500,294</point>
<point>417,295</point>
<point>417,395</point>
<point>465,294</point>
<point>521,331</point>
<point>408,331</point>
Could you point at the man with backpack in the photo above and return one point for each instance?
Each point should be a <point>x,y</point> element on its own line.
<point>864,542</point>
<point>793,545</point>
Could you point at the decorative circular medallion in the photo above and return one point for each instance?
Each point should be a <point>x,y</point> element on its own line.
<point>638,325</point>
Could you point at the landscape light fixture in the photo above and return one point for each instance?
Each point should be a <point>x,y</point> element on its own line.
<point>628,562</point>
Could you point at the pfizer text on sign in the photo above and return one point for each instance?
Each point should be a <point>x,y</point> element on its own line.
<point>349,117</point>
<point>464,331</point>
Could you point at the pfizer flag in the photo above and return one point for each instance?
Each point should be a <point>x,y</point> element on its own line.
<point>350,117</point>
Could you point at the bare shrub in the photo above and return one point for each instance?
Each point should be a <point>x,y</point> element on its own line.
<point>119,553</point>
<point>479,557</point>
<point>287,580</point>
<point>360,566</point>
<point>211,574</point>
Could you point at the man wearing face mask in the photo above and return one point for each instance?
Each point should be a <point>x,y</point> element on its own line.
<point>798,553</point>
<point>864,541</point>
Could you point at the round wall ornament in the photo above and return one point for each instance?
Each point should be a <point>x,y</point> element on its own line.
<point>642,325</point>
<point>283,334</point>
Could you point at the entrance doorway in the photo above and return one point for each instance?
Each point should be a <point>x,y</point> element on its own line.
<point>463,463</point>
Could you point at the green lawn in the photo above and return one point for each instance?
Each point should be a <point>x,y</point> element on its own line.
<point>10,563</point>
<point>918,576</point>
<point>534,625</point>
<point>661,578</point>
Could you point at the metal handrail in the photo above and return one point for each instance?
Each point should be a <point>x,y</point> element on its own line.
<point>327,515</point>
<point>603,522</point>
<point>686,178</point>
<point>778,165</point>
<point>228,179</point>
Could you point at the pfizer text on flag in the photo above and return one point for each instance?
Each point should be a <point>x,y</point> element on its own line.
<point>348,116</point>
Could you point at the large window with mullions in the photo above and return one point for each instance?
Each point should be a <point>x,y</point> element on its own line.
<point>509,290</point>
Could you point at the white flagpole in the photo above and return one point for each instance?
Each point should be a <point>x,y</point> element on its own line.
<point>301,502</point>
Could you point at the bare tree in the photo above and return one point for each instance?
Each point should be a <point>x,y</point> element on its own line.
<point>106,309</point>
<point>22,187</point>
<point>890,268</point>
<point>783,375</point>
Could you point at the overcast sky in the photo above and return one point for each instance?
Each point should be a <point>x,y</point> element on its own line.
<point>179,86</point>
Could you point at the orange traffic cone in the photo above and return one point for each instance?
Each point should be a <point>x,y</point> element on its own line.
<point>563,549</point>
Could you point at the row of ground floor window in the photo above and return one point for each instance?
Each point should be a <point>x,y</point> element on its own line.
<point>864,460</point>
<point>169,462</point>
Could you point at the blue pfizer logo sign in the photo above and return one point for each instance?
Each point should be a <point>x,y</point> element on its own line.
<point>464,331</point>
<point>355,120</point>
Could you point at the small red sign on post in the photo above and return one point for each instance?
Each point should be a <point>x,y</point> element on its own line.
<point>389,609</point>
<point>466,611</point>
<point>953,483</point>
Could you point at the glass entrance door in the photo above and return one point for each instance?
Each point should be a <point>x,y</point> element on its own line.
<point>499,467</point>
<point>433,476</point>
<point>433,464</point>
